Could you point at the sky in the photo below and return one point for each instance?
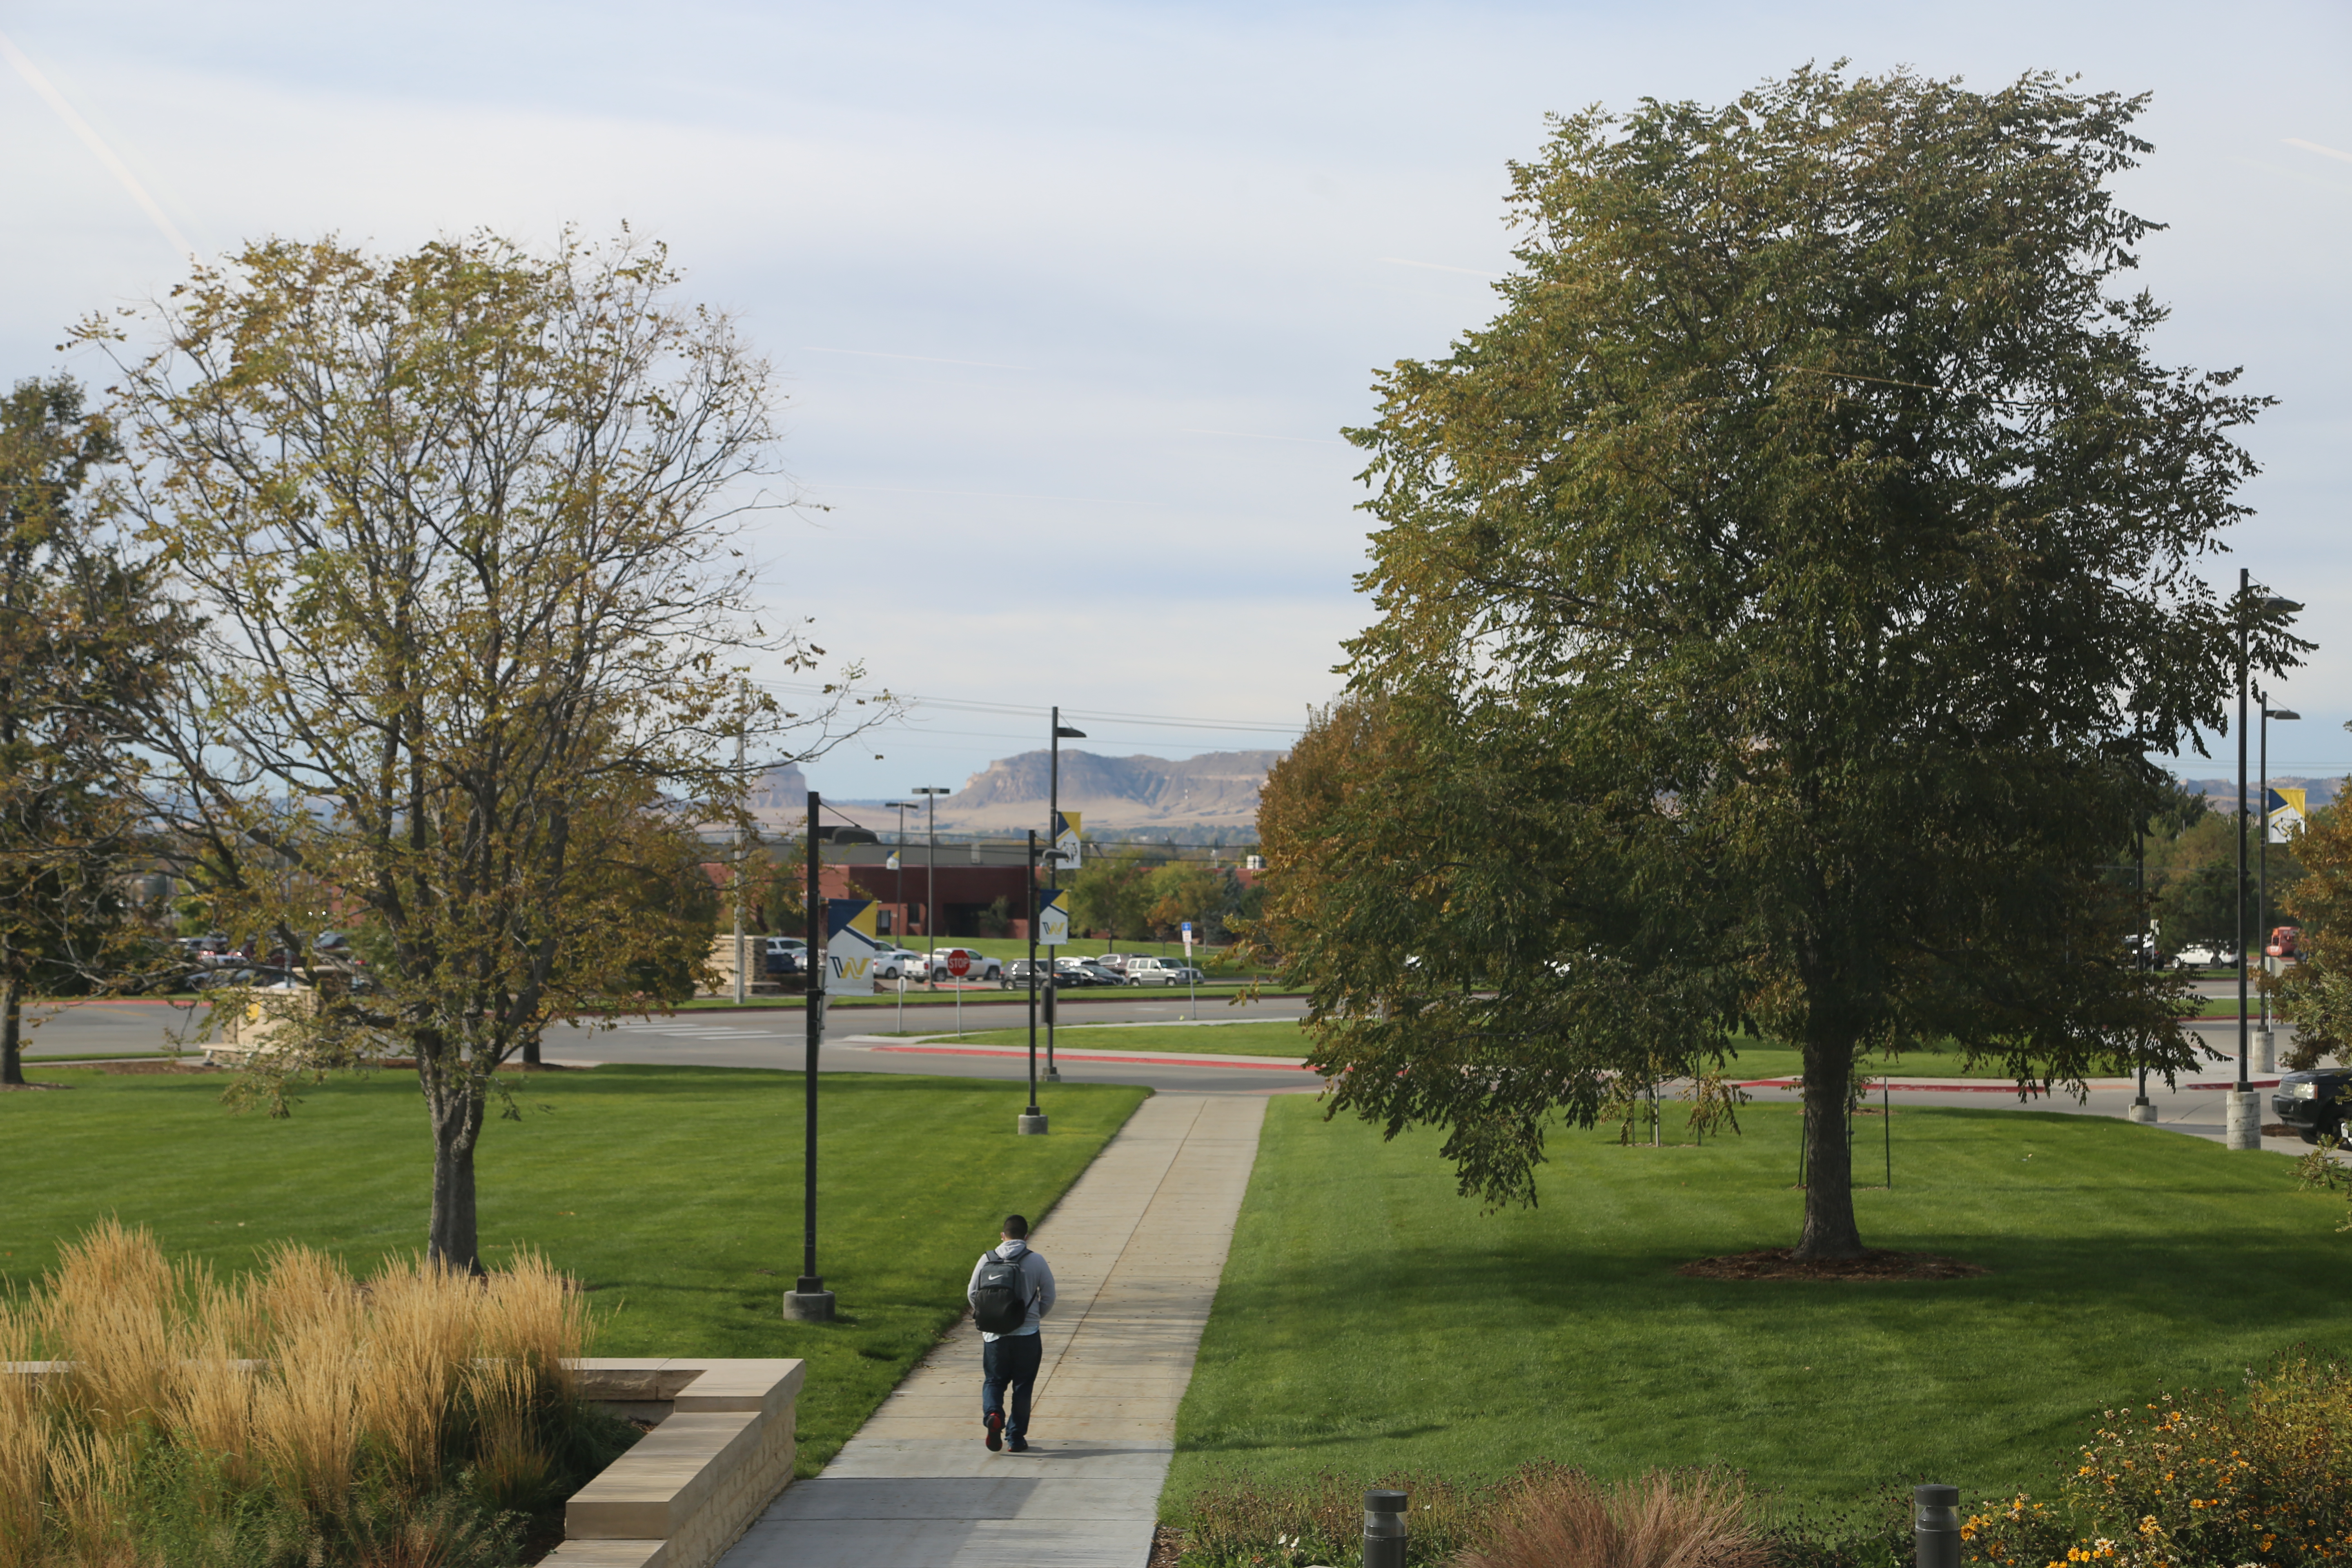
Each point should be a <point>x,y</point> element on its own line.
<point>1068,304</point>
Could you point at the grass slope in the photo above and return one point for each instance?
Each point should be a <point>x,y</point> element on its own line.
<point>673,1194</point>
<point>1371,1319</point>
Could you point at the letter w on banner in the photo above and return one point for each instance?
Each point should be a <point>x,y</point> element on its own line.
<point>850,946</point>
<point>2284,810</point>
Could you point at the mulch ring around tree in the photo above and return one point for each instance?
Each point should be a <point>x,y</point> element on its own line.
<point>1775,1263</point>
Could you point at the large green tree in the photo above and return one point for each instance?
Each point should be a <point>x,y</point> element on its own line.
<point>1778,601</point>
<point>459,518</point>
<point>82,628</point>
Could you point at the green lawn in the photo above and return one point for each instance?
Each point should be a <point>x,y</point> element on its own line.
<point>1252,1039</point>
<point>1370,1320</point>
<point>673,1194</point>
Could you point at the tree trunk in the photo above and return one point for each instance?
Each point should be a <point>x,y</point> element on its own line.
<point>531,1050</point>
<point>1830,1230</point>
<point>454,1240</point>
<point>12,1016</point>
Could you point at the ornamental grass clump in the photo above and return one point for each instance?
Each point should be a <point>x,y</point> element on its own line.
<point>1543,1515</point>
<point>156,1414</point>
<point>2189,1480</point>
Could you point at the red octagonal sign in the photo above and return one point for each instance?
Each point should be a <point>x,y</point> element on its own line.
<point>959,963</point>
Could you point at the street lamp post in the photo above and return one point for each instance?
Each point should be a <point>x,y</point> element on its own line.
<point>742,986</point>
<point>930,794</point>
<point>810,1302</point>
<point>2243,1128</point>
<point>1032,1121</point>
<point>1053,868</point>
<point>898,891</point>
<point>2141,1110</point>
<point>2265,1058</point>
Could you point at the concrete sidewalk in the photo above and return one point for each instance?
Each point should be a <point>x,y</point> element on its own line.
<point>1138,1245</point>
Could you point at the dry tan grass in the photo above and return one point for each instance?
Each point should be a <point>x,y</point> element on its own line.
<point>23,1445</point>
<point>1566,1520</point>
<point>425,1325</point>
<point>109,1310</point>
<point>300,1379</point>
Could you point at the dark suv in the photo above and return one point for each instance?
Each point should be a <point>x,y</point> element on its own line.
<point>2314,1103</point>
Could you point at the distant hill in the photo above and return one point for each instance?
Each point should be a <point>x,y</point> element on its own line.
<point>2221,795</point>
<point>1217,791</point>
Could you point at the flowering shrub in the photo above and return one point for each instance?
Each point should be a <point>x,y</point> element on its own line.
<point>2198,1482</point>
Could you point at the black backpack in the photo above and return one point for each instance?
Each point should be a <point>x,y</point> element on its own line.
<point>999,1302</point>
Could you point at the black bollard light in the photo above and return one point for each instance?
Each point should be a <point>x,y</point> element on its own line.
<point>1935,1525</point>
<point>1384,1529</point>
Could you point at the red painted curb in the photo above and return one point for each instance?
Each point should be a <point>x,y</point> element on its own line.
<point>1060,1056</point>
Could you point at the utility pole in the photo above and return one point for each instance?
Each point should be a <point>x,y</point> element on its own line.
<point>899,938</point>
<point>930,794</point>
<point>810,1302</point>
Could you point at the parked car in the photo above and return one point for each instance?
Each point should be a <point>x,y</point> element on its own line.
<point>2202,957</point>
<point>781,954</point>
<point>1143,969</point>
<point>243,974</point>
<point>2314,1104</point>
<point>2286,942</point>
<point>982,966</point>
<point>1089,972</point>
<point>893,962</point>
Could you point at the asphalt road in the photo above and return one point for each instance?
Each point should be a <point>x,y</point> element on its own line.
<point>775,1040</point>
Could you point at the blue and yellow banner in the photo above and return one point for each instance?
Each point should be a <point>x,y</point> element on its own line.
<point>1067,838</point>
<point>2285,814</point>
<point>1054,918</point>
<point>850,946</point>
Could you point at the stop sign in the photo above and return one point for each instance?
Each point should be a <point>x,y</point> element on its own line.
<point>959,963</point>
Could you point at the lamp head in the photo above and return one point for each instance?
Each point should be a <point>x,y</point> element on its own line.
<point>927,790</point>
<point>1064,732</point>
<point>2281,713</point>
<point>2274,605</point>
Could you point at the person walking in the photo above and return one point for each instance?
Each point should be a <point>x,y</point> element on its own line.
<point>1012,1288</point>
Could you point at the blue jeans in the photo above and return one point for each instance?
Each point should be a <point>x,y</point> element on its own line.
<point>1008,1364</point>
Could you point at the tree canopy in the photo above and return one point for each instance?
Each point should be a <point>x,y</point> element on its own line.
<point>82,629</point>
<point>459,521</point>
<point>1778,601</point>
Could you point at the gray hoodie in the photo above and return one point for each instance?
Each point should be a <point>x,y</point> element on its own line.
<point>1034,1268</point>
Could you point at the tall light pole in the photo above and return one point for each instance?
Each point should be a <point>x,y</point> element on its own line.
<point>810,1302</point>
<point>743,983</point>
<point>1053,867</point>
<point>1032,1121</point>
<point>2243,1128</point>
<point>931,793</point>
<point>2266,1060</point>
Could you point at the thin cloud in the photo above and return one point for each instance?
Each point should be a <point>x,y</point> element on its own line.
<point>1254,435</point>
<point>96,144</point>
<point>2315,147</point>
<point>993,495</point>
<point>1438,266</point>
<point>919,359</point>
